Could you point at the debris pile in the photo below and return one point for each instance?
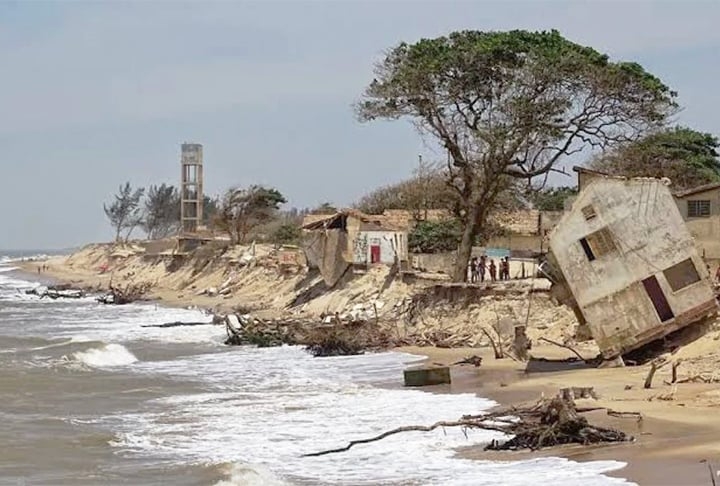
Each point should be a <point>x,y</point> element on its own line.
<point>131,292</point>
<point>319,339</point>
<point>64,291</point>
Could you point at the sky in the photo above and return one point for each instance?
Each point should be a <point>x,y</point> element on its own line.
<point>93,94</point>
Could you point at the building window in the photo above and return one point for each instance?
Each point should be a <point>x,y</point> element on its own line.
<point>598,244</point>
<point>681,275</point>
<point>586,248</point>
<point>588,212</point>
<point>698,209</point>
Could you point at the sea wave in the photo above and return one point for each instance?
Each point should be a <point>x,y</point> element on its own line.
<point>271,406</point>
<point>241,474</point>
<point>109,355</point>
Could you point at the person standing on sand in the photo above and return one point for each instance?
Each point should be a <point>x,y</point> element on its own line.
<point>493,271</point>
<point>473,270</point>
<point>482,267</point>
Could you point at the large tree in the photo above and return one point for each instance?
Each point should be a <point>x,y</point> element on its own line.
<point>162,211</point>
<point>125,212</point>
<point>241,210</point>
<point>509,106</point>
<point>687,157</point>
<point>426,189</point>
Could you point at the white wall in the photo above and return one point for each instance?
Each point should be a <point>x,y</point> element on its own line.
<point>392,244</point>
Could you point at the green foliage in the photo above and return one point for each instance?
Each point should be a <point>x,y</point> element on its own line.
<point>511,105</point>
<point>162,211</point>
<point>125,212</point>
<point>552,198</point>
<point>287,234</point>
<point>435,237</point>
<point>687,157</point>
<point>241,210</point>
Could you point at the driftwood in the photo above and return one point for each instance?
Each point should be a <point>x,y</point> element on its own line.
<point>178,324</point>
<point>563,346</point>
<point>547,423</point>
<point>674,370</point>
<point>655,365</point>
<point>474,360</point>
<point>497,348</point>
<point>132,292</point>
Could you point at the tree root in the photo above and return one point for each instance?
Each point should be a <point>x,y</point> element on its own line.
<point>545,424</point>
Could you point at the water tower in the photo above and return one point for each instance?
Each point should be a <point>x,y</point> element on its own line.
<point>191,187</point>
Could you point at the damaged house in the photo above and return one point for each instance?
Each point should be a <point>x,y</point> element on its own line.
<point>333,243</point>
<point>624,260</point>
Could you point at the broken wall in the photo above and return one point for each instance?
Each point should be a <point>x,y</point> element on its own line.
<point>324,250</point>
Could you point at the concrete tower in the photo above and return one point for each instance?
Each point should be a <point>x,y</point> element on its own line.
<point>191,187</point>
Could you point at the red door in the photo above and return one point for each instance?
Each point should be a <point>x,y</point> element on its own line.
<point>374,253</point>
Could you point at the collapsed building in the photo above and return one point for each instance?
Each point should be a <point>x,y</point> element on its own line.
<point>333,243</point>
<point>623,259</point>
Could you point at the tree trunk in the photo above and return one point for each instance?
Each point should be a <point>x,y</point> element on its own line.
<point>466,243</point>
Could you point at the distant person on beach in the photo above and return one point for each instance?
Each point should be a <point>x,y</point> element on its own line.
<point>493,271</point>
<point>482,267</point>
<point>39,269</point>
<point>473,270</point>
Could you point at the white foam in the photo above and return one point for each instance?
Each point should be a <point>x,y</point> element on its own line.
<point>107,356</point>
<point>271,406</point>
<point>250,475</point>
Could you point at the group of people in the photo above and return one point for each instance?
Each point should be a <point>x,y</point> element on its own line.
<point>480,266</point>
<point>43,268</point>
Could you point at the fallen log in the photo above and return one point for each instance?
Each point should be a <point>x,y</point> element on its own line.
<point>563,346</point>
<point>178,324</point>
<point>474,360</point>
<point>548,423</point>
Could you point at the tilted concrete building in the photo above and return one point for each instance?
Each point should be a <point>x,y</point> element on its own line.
<point>627,264</point>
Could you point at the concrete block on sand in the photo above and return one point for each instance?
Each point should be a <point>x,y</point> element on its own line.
<point>426,376</point>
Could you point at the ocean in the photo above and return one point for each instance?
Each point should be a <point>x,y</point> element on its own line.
<point>90,396</point>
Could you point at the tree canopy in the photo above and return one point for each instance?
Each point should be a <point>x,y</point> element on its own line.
<point>510,105</point>
<point>552,198</point>
<point>687,157</point>
<point>125,212</point>
<point>244,209</point>
<point>162,211</point>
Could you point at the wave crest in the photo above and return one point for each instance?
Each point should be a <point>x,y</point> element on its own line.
<point>250,475</point>
<point>108,355</point>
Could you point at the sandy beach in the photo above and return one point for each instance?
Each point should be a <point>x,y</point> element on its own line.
<point>678,433</point>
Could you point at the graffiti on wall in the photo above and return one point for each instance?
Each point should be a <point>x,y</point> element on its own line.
<point>360,248</point>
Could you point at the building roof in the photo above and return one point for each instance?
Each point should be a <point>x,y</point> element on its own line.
<point>697,190</point>
<point>322,221</point>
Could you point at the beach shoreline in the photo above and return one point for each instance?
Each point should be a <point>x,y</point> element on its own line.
<point>681,432</point>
